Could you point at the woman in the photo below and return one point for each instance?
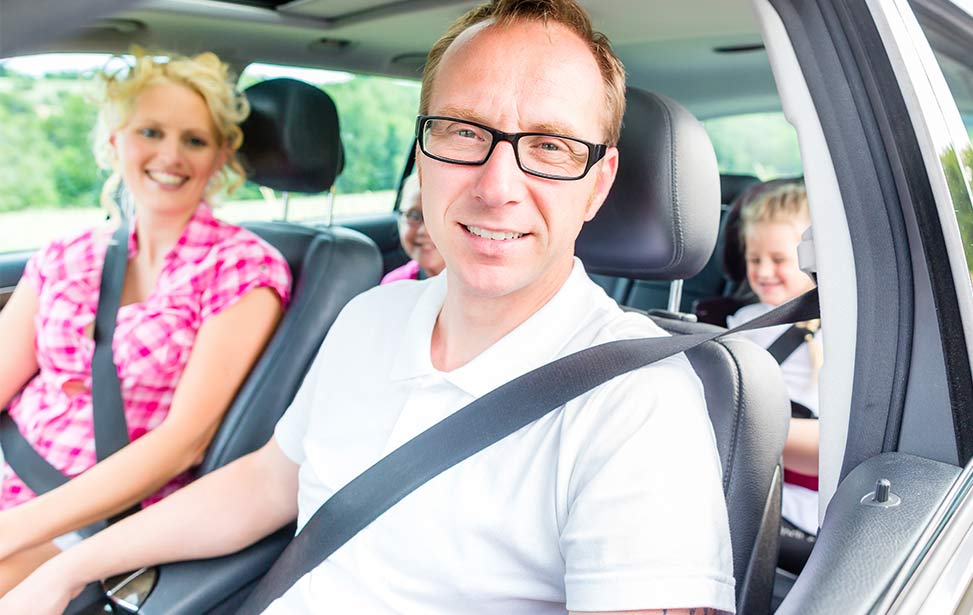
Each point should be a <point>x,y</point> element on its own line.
<point>416,242</point>
<point>199,301</point>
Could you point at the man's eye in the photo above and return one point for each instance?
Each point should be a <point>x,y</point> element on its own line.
<point>550,146</point>
<point>466,133</point>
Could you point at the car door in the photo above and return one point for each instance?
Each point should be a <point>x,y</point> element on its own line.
<point>881,137</point>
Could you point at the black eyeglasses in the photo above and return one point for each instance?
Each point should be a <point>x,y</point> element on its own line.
<point>544,155</point>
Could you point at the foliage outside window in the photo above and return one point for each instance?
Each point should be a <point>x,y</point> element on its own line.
<point>760,144</point>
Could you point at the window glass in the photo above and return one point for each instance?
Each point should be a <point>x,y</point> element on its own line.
<point>49,183</point>
<point>760,144</point>
<point>377,117</point>
<point>951,46</point>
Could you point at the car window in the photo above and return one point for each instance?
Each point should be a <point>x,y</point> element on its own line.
<point>760,144</point>
<point>49,183</point>
<point>951,49</point>
<point>377,118</point>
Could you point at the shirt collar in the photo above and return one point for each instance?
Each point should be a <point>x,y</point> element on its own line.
<point>535,342</point>
<point>194,242</point>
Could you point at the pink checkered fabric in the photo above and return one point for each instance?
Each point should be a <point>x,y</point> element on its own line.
<point>212,265</point>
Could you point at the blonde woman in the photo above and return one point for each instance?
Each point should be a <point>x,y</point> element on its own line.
<point>199,301</point>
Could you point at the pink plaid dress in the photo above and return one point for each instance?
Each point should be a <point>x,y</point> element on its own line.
<point>212,266</point>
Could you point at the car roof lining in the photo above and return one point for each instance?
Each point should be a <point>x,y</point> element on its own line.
<point>676,56</point>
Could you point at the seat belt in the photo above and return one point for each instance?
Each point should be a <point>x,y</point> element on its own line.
<point>471,429</point>
<point>111,428</point>
<point>788,342</point>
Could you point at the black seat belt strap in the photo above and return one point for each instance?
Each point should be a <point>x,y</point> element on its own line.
<point>788,342</point>
<point>471,429</point>
<point>111,428</point>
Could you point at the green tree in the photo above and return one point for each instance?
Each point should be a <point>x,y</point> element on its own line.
<point>69,128</point>
<point>960,189</point>
<point>25,178</point>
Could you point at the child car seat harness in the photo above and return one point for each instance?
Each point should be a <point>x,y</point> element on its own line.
<point>471,429</point>
<point>111,428</point>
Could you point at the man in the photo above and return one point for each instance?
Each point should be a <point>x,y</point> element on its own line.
<point>612,503</point>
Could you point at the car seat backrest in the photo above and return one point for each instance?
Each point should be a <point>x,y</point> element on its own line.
<point>660,223</point>
<point>292,143</point>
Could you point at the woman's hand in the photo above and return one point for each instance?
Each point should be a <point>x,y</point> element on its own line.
<point>45,592</point>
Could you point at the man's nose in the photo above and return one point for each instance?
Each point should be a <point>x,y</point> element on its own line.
<point>501,181</point>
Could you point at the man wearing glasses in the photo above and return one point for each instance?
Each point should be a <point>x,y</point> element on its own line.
<point>613,503</point>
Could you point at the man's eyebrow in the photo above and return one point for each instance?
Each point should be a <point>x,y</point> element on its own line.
<point>556,128</point>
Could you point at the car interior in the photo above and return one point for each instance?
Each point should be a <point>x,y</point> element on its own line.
<point>886,247</point>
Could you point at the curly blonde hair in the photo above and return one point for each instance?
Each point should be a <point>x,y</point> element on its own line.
<point>204,74</point>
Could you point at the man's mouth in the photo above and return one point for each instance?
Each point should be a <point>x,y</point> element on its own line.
<point>166,179</point>
<point>492,235</point>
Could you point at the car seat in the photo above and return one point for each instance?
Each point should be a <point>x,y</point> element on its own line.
<point>660,223</point>
<point>291,143</point>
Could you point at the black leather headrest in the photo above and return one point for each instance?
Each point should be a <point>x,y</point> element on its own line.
<point>662,216</point>
<point>291,140</point>
<point>732,185</point>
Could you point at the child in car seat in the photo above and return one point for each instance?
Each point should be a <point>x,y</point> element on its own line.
<point>416,242</point>
<point>770,231</point>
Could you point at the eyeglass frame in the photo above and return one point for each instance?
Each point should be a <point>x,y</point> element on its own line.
<point>596,151</point>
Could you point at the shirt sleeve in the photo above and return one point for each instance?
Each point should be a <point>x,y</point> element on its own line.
<point>240,268</point>
<point>39,266</point>
<point>646,524</point>
<point>293,425</point>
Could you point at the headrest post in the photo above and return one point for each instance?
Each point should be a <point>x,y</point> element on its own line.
<point>285,199</point>
<point>675,296</point>
<point>329,215</point>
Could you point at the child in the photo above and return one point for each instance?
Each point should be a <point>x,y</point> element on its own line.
<point>771,230</point>
<point>416,242</point>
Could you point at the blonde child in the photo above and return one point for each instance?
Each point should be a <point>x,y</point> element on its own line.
<point>771,229</point>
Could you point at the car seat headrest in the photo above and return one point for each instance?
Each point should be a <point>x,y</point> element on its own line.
<point>661,218</point>
<point>291,140</point>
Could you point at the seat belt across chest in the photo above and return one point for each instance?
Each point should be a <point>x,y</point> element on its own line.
<point>473,428</point>
<point>111,427</point>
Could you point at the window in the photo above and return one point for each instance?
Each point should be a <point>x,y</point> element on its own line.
<point>49,183</point>
<point>950,43</point>
<point>760,144</point>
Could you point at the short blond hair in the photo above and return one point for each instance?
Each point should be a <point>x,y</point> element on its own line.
<point>784,203</point>
<point>204,74</point>
<point>564,12</point>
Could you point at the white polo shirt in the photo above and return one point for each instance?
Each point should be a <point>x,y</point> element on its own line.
<point>612,502</point>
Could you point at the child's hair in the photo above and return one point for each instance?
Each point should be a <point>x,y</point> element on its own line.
<point>204,74</point>
<point>784,202</point>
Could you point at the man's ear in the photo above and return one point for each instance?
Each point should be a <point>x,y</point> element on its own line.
<point>606,170</point>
